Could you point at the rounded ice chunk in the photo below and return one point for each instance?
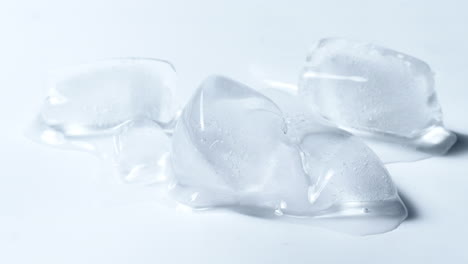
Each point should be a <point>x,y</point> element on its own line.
<point>235,148</point>
<point>375,92</point>
<point>122,110</point>
<point>95,98</point>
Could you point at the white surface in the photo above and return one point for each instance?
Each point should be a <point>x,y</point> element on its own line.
<point>64,207</point>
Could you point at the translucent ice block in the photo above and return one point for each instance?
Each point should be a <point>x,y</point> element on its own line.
<point>122,110</point>
<point>377,93</point>
<point>235,148</point>
<point>95,98</point>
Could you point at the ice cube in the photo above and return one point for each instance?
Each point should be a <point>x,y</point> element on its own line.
<point>233,148</point>
<point>375,92</point>
<point>95,98</point>
<point>225,135</point>
<point>122,110</point>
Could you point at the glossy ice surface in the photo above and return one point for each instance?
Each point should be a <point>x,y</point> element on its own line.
<point>235,148</point>
<point>376,92</point>
<point>53,211</point>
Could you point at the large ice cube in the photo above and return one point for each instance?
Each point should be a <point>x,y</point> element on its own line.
<point>229,138</point>
<point>94,98</point>
<point>375,91</point>
<point>232,148</point>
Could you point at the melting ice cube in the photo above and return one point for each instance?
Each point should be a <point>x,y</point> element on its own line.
<point>228,143</point>
<point>233,148</point>
<point>94,98</point>
<point>123,110</point>
<point>376,92</point>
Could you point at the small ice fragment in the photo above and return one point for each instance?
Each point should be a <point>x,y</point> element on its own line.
<point>142,152</point>
<point>94,98</point>
<point>235,148</point>
<point>376,92</point>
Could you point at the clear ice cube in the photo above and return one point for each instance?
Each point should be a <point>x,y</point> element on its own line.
<point>375,92</point>
<point>95,98</point>
<point>235,148</point>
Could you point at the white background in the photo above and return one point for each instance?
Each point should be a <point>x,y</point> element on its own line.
<point>65,207</point>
